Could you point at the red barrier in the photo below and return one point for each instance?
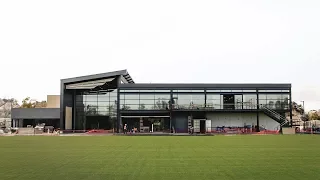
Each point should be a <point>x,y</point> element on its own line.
<point>99,131</point>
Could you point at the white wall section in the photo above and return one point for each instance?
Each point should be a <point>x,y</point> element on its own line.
<point>241,119</point>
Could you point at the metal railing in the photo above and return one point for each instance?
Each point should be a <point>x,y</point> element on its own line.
<point>282,120</point>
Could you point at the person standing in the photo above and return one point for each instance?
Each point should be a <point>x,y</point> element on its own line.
<point>125,129</point>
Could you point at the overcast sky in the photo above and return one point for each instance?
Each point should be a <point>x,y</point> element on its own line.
<point>229,41</point>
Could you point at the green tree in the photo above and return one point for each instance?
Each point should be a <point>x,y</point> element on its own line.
<point>314,116</point>
<point>28,103</point>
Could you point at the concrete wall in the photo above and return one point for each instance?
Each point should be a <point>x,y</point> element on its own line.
<point>53,101</point>
<point>239,119</point>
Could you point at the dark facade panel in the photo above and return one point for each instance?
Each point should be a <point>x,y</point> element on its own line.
<point>35,113</point>
<point>205,86</point>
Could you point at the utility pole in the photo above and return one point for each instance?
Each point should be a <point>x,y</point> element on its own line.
<point>303,106</point>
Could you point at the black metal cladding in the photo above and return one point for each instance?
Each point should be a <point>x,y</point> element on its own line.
<point>207,86</point>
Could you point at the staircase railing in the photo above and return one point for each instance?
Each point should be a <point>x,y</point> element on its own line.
<point>282,120</point>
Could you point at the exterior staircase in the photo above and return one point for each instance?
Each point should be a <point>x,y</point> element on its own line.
<point>282,120</point>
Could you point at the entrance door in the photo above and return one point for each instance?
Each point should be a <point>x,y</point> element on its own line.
<point>208,125</point>
<point>196,126</point>
<point>203,126</point>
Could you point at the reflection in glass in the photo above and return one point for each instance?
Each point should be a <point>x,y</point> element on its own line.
<point>249,101</point>
<point>213,101</point>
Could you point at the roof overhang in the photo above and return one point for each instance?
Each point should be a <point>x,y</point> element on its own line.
<point>97,81</point>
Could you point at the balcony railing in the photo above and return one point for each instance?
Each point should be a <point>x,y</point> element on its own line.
<point>235,106</point>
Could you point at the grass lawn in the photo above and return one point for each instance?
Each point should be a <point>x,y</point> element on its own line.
<point>158,157</point>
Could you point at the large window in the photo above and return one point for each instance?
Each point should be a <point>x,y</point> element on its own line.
<point>95,104</point>
<point>249,101</point>
<point>214,101</point>
<point>184,100</point>
<point>144,101</point>
<point>275,101</point>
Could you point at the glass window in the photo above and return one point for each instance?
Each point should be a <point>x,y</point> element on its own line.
<point>213,96</point>
<point>147,101</point>
<point>184,96</point>
<point>213,90</point>
<point>103,108</point>
<point>131,96</point>
<point>103,97</point>
<point>131,101</point>
<point>146,96</point>
<point>89,103</point>
<point>161,105</point>
<point>274,96</point>
<point>130,107</point>
<point>262,96</point>
<point>103,103</point>
<point>249,101</point>
<point>91,98</point>
<point>249,90</point>
<point>162,96</point>
<point>79,98</point>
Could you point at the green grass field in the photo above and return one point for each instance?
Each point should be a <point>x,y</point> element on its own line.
<point>159,157</point>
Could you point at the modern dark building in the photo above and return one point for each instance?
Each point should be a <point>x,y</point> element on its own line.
<point>110,100</point>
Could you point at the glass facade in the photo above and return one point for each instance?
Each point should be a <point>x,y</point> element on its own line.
<point>198,99</point>
<point>96,104</point>
<point>188,99</point>
<point>275,101</point>
<point>141,100</point>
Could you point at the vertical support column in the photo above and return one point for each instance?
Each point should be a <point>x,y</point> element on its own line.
<point>170,105</point>
<point>258,111</point>
<point>62,108</point>
<point>74,110</point>
<point>205,98</point>
<point>290,106</point>
<point>118,107</point>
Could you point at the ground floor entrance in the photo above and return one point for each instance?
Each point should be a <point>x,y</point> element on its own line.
<point>146,123</point>
<point>34,122</point>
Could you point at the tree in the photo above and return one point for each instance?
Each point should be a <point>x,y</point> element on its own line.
<point>314,115</point>
<point>6,106</point>
<point>26,103</point>
<point>29,103</point>
<point>41,104</point>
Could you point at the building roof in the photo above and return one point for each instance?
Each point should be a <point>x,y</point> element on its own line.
<point>102,76</point>
<point>208,86</point>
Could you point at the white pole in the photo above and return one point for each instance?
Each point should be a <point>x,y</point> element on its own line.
<point>152,128</point>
